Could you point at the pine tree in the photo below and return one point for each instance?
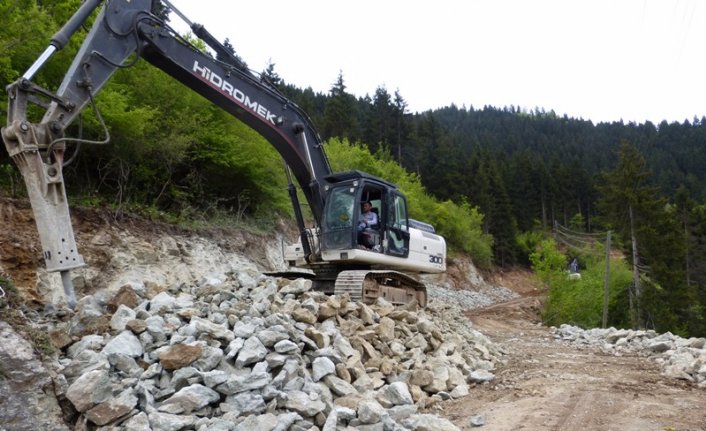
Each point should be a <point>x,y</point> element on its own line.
<point>270,76</point>
<point>631,206</point>
<point>340,112</point>
<point>380,120</point>
<point>399,111</point>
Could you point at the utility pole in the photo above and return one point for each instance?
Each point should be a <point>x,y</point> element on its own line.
<point>607,279</point>
<point>636,323</point>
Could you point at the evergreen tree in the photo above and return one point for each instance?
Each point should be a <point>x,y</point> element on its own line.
<point>379,124</point>
<point>631,207</point>
<point>400,127</point>
<point>230,56</point>
<point>340,112</point>
<point>271,77</point>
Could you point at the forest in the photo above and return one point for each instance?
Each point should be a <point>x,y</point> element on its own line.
<point>500,183</point>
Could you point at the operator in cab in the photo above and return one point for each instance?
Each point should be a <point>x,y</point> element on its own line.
<point>367,219</point>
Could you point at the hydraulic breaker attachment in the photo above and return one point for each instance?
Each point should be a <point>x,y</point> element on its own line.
<point>41,167</point>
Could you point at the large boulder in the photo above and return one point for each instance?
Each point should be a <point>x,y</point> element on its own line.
<point>26,389</point>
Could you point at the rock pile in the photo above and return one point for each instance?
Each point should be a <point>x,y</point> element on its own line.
<point>251,352</point>
<point>678,357</point>
<point>470,299</point>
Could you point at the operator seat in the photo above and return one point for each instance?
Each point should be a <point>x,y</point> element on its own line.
<point>370,237</point>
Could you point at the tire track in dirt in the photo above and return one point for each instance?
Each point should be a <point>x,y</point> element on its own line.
<point>545,384</point>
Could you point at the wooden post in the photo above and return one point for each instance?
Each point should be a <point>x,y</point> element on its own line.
<point>607,279</point>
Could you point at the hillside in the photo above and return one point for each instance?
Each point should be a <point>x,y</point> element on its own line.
<point>513,372</point>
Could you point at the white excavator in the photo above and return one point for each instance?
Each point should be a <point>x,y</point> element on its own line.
<point>378,260</point>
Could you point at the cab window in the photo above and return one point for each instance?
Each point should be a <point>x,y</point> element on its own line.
<point>339,214</point>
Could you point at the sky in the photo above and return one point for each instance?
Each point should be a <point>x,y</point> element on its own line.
<point>599,60</point>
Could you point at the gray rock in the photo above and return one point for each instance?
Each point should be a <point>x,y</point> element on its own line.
<point>214,378</point>
<point>399,413</point>
<point>659,346</point>
<point>480,376</point>
<point>296,287</point>
<point>440,377</point>
<point>339,386</point>
<point>155,326</point>
<point>460,391</point>
<point>322,367</point>
<point>477,421</point>
<point>210,358</point>
<point>245,280</point>
<point>169,422</point>
<point>429,422</point>
<point>273,335</point>
<point>92,342</point>
<point>304,404</point>
<point>189,399</point>
<point>25,387</point>
<point>86,361</point>
<point>244,403</point>
<point>185,377</point>
<point>234,347</point>
<point>120,318</point>
<point>398,393</point>
<point>331,421</point>
<point>89,389</point>
<point>214,330</point>
<point>253,351</point>
<point>213,280</point>
<point>125,343</point>
<point>244,329</point>
<point>125,364</point>
<point>162,303</point>
<point>248,382</point>
<point>370,412</point>
<point>286,346</point>
<point>139,422</point>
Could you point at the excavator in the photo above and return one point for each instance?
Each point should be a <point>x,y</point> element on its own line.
<point>336,252</point>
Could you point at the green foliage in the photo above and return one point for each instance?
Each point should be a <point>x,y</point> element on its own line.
<point>26,28</point>
<point>527,243</point>
<point>173,152</point>
<point>10,180</point>
<point>580,301</point>
<point>460,224</point>
<point>548,262</point>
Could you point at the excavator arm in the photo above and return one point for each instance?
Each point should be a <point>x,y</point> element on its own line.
<point>123,32</point>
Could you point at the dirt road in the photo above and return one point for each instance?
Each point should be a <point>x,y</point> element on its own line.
<point>549,385</point>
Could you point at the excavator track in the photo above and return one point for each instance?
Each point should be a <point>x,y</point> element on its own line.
<point>369,285</point>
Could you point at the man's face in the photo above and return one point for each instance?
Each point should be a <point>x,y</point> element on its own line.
<point>366,207</point>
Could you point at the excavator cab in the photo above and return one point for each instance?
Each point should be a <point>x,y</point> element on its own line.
<point>340,229</point>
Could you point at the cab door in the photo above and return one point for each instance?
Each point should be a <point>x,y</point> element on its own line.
<point>397,226</point>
